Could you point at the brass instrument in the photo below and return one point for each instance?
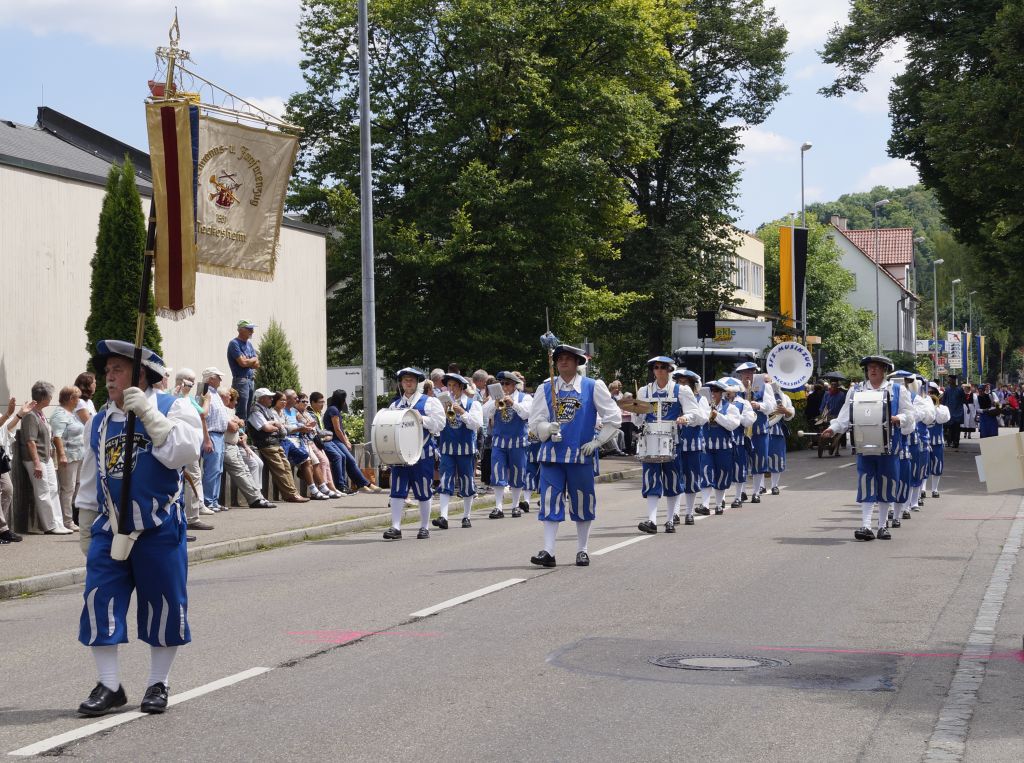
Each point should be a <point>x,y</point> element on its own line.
<point>504,403</point>
<point>748,431</point>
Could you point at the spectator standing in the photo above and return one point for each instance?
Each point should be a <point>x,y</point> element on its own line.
<point>69,443</point>
<point>184,381</point>
<point>628,427</point>
<point>243,362</point>
<point>85,409</point>
<point>7,535</point>
<point>36,452</point>
<point>217,416</point>
<point>954,399</point>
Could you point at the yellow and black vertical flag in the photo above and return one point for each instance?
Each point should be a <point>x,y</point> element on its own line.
<point>792,274</point>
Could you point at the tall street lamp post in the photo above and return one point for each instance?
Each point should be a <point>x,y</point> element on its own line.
<point>935,315</point>
<point>878,266</point>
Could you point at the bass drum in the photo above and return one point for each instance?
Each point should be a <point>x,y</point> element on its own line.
<point>397,436</point>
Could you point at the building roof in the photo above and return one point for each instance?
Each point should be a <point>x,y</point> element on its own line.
<point>886,273</point>
<point>895,245</point>
<point>63,147</point>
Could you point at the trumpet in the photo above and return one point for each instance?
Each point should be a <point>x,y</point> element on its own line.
<point>503,404</point>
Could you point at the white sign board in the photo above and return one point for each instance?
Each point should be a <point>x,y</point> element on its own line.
<point>953,344</point>
<point>921,346</point>
<point>729,335</point>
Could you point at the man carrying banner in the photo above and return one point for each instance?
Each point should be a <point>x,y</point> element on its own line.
<point>168,436</point>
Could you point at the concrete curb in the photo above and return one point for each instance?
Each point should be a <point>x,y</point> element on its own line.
<point>10,589</point>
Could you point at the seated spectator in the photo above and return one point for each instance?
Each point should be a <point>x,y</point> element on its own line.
<point>341,444</point>
<point>310,437</point>
<point>269,435</point>
<point>308,467</point>
<point>7,535</point>
<point>249,456</point>
<point>69,443</point>
<point>234,462</point>
<point>36,453</point>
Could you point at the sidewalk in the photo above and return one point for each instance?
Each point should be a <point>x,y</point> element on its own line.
<point>42,562</point>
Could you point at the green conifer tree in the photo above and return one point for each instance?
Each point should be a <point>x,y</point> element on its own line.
<point>117,270</point>
<point>277,370</point>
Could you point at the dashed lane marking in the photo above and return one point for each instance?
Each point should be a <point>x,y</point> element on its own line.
<point>467,597</point>
<point>819,474</point>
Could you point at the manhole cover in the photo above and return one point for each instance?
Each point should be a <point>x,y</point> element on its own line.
<point>715,662</point>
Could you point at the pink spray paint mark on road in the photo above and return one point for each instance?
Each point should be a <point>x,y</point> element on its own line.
<point>1017,656</point>
<point>345,636</point>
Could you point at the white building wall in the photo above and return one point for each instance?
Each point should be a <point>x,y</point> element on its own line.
<point>48,228</point>
<point>896,326</point>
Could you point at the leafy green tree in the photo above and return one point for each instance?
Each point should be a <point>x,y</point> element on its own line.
<point>956,113</point>
<point>846,332</point>
<point>117,271</point>
<point>277,371</point>
<point>497,129</point>
<point>729,67</point>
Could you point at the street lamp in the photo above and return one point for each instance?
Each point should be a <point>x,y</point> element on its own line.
<point>878,316</point>
<point>803,215</point>
<point>935,312</point>
<point>970,331</point>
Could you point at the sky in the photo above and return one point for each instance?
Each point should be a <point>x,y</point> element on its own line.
<point>90,59</point>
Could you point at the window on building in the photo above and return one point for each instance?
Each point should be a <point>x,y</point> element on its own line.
<point>757,280</point>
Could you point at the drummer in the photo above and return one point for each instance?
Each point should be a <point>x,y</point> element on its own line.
<point>692,457</point>
<point>420,475</point>
<point>463,419</point>
<point>678,405</point>
<point>876,475</point>
<point>723,420</point>
<point>762,400</point>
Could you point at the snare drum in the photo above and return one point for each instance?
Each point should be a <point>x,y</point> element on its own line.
<point>397,436</point>
<point>657,443</point>
<point>872,427</point>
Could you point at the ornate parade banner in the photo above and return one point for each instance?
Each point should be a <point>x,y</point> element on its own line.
<point>243,175</point>
<point>172,133</point>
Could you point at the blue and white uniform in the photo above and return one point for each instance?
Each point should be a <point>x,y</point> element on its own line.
<point>757,446</point>
<point>509,441</point>
<point>877,476</point>
<point>741,443</point>
<point>924,409</point>
<point>457,445</point>
<point>937,459</point>
<point>719,444</point>
<point>157,567</point>
<point>777,437</point>
<point>420,475</point>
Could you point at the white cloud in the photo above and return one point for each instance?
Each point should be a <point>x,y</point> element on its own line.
<point>272,104</point>
<point>809,21</point>
<point>252,30</point>
<point>879,82</point>
<point>758,142</point>
<point>895,173</point>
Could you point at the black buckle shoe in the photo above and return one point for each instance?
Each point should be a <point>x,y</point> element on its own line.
<point>543,559</point>
<point>720,510</point>
<point>704,511</point>
<point>496,514</point>
<point>675,519</point>
<point>864,533</point>
<point>906,514</point>
<point>647,526</point>
<point>738,504</point>
<point>756,499</point>
<point>762,490</point>
<point>743,495</point>
<point>155,700</point>
<point>423,534</point>
<point>935,494</point>
<point>897,524</point>
<point>689,520</point>
<point>466,522</point>
<point>524,506</point>
<point>883,534</point>
<point>516,512</point>
<point>670,527</point>
<point>582,560</point>
<point>102,700</point>
<point>776,491</point>
<point>392,533</point>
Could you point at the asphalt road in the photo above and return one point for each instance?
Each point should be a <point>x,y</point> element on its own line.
<point>856,643</point>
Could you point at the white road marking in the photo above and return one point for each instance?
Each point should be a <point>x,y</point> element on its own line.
<point>116,720</point>
<point>467,597</point>
<point>949,739</point>
<point>623,544</point>
<point>844,466</point>
<point>819,474</point>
